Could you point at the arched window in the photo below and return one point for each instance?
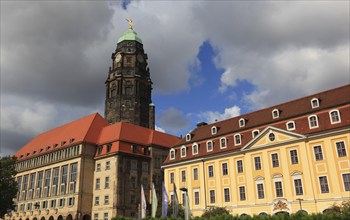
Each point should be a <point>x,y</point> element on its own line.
<point>238,139</point>
<point>223,143</point>
<point>275,113</point>
<point>188,137</point>
<point>214,130</point>
<point>194,149</point>
<point>183,151</point>
<point>313,121</point>
<point>315,103</point>
<point>290,125</point>
<point>172,154</point>
<point>241,122</point>
<point>334,116</point>
<point>210,146</point>
<point>255,133</point>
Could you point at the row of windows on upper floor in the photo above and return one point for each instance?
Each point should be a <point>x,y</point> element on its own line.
<point>290,125</point>
<point>49,158</point>
<point>260,189</point>
<point>334,116</point>
<point>71,140</point>
<point>134,149</point>
<point>45,204</point>
<point>51,182</point>
<point>275,162</point>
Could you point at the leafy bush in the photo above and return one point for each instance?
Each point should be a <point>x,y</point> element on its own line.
<point>215,211</point>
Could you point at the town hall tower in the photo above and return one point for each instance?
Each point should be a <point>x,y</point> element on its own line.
<point>129,86</point>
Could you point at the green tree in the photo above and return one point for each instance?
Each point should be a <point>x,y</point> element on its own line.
<point>215,211</point>
<point>8,185</point>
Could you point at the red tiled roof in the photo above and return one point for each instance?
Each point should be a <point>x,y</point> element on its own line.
<point>86,129</point>
<point>96,130</point>
<point>297,110</point>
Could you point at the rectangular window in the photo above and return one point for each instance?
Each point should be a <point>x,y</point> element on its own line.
<point>32,181</point>
<point>44,204</point>
<point>196,197</point>
<point>56,172</point>
<point>19,184</point>
<point>97,200</point>
<point>133,182</point>
<point>346,180</point>
<point>97,186</point>
<point>224,169</point>
<point>106,199</point>
<point>25,182</point>
<point>108,165</point>
<point>242,193</point>
<point>298,187</point>
<point>61,202</point>
<point>105,216</point>
<point>96,216</point>
<point>212,196</point>
<point>239,166</point>
<point>227,194</point>
<point>71,201</point>
<point>145,166</point>
<point>209,146</point>
<point>107,182</point>
<point>98,167</point>
<point>260,188</point>
<point>47,178</point>
<point>341,149</point>
<point>318,153</point>
<point>64,174</point>
<point>257,163</point>
<point>171,177</point>
<point>275,162</point>
<point>195,173</point>
<point>183,175</point>
<point>278,188</point>
<point>294,156</point>
<point>211,171</point>
<point>53,203</point>
<point>40,179</point>
<point>324,184</point>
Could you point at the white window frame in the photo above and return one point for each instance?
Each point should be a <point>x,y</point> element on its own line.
<point>194,197</point>
<point>212,147</point>
<point>317,103</point>
<point>235,140</point>
<point>278,160</point>
<point>171,177</point>
<point>172,152</point>
<point>342,177</point>
<point>290,122</point>
<point>214,130</point>
<point>275,113</point>
<point>336,148</point>
<point>257,190</point>
<point>319,184</point>
<point>253,133</point>
<point>188,137</point>
<point>309,119</point>
<point>241,122</point>
<point>223,147</point>
<point>195,146</point>
<point>229,194</point>
<point>183,149</point>
<point>278,179</point>
<point>298,177</point>
<point>330,116</point>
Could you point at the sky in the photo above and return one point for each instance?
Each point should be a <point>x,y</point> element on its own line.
<point>209,60</point>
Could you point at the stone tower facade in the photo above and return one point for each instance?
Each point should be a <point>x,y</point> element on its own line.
<point>129,86</point>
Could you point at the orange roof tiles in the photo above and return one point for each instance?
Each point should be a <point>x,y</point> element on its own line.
<point>96,130</point>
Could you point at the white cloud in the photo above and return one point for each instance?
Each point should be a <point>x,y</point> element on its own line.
<point>159,129</point>
<point>173,119</point>
<point>212,116</point>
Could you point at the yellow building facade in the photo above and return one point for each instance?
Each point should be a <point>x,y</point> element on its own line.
<point>284,158</point>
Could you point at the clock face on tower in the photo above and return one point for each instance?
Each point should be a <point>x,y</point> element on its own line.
<point>118,58</point>
<point>140,58</point>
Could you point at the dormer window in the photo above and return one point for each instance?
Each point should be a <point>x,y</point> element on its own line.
<point>214,130</point>
<point>63,143</point>
<point>27,154</point>
<point>255,133</point>
<point>223,143</point>
<point>47,148</point>
<point>209,146</point>
<point>172,154</point>
<point>334,116</point>
<point>241,122</point>
<point>275,113</point>
<point>71,140</point>
<point>40,150</point>
<point>134,148</point>
<point>290,125</point>
<point>188,137</point>
<point>109,147</point>
<point>313,121</point>
<point>99,150</point>
<point>315,103</point>
<point>34,152</point>
<point>194,149</point>
<point>55,145</point>
<point>238,139</point>
<point>183,151</point>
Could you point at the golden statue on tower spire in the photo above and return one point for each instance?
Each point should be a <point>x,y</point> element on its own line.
<point>130,23</point>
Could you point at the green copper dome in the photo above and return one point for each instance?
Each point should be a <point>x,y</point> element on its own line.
<point>130,35</point>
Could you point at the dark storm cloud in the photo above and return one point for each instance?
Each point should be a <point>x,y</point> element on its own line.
<point>45,46</point>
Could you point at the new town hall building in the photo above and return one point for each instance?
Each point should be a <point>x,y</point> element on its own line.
<point>283,158</point>
<point>93,168</point>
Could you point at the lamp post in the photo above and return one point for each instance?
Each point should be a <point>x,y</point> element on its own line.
<point>300,203</point>
<point>184,189</point>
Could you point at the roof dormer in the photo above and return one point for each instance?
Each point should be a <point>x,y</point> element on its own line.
<point>188,137</point>
<point>315,103</point>
<point>275,113</point>
<point>241,122</point>
<point>214,130</point>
